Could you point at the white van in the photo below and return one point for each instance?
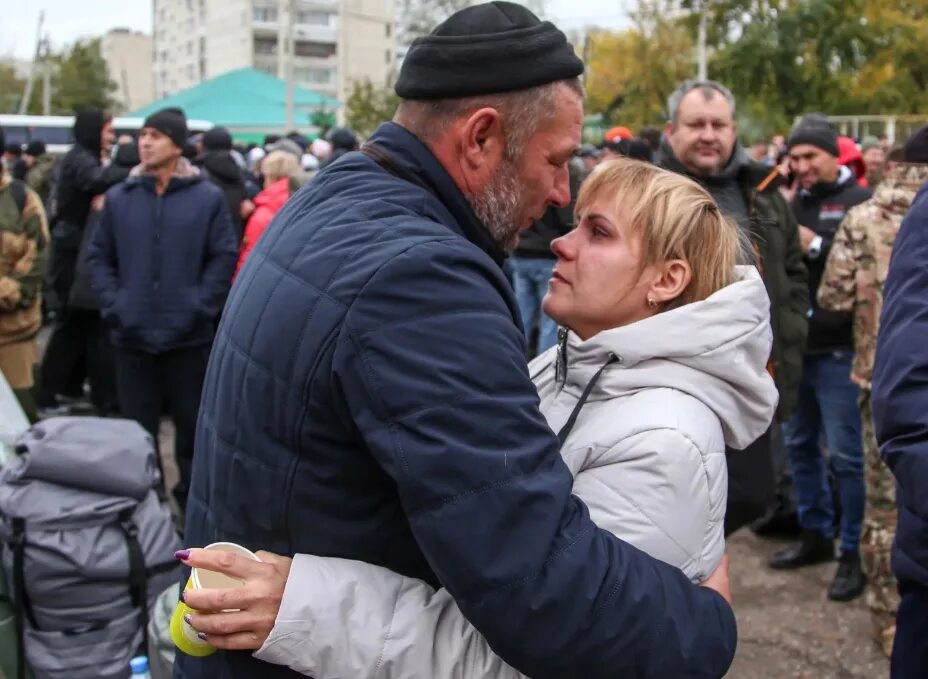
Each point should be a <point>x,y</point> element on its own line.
<point>56,131</point>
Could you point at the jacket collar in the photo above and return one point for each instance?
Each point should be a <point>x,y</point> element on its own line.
<point>184,174</point>
<point>405,149</point>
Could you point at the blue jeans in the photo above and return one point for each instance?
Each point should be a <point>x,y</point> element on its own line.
<point>531,285</point>
<point>828,404</point>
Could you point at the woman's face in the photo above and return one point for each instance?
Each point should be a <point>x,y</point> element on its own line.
<point>599,281</point>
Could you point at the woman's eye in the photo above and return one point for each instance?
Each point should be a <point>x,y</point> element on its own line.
<point>600,232</point>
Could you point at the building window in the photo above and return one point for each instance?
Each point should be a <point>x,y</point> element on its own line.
<point>314,76</point>
<point>316,50</point>
<point>190,48</point>
<point>314,18</point>
<point>188,24</point>
<point>389,28</point>
<point>265,45</point>
<point>202,69</point>
<point>268,14</point>
<point>389,57</point>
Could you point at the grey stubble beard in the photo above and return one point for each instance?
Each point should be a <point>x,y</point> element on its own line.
<point>497,205</point>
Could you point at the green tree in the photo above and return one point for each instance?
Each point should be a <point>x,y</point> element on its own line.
<point>81,79</point>
<point>631,73</point>
<point>369,105</point>
<point>11,89</point>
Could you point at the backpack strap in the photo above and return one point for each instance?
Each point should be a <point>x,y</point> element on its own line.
<point>138,577</point>
<point>22,607</point>
<point>18,191</point>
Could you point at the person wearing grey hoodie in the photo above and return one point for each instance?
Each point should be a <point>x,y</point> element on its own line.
<point>701,142</point>
<point>661,363</point>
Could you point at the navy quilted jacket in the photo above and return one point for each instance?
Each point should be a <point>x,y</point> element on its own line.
<point>162,265</point>
<point>368,398</point>
<point>900,390</point>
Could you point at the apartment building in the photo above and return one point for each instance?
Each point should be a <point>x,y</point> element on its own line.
<point>128,59</point>
<point>335,42</point>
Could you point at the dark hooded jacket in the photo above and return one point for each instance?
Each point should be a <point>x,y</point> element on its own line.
<point>222,170</point>
<point>81,177</point>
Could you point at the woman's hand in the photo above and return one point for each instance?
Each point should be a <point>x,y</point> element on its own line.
<point>240,618</point>
<point>719,580</point>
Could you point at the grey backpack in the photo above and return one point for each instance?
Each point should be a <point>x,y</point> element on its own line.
<point>87,545</point>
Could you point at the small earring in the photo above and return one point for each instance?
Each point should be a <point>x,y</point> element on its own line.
<point>652,303</point>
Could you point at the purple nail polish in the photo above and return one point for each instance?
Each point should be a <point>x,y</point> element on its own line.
<point>201,636</point>
<point>187,619</point>
<point>183,554</point>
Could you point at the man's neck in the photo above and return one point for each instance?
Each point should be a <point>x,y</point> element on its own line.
<point>163,176</point>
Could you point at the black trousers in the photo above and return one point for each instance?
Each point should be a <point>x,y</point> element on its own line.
<point>910,647</point>
<point>147,382</point>
<point>78,348</point>
<point>751,483</point>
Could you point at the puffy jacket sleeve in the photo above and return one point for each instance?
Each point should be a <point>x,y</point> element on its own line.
<point>104,269</point>
<point>341,619</point>
<point>900,372</point>
<point>24,268</point>
<point>431,366</point>
<point>256,225</point>
<point>838,288</point>
<point>221,255</point>
<point>89,176</point>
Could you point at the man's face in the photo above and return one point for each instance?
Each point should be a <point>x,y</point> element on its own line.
<point>812,165</point>
<point>106,137</point>
<point>875,159</point>
<point>522,188</point>
<point>28,159</point>
<point>704,133</point>
<point>156,150</point>
<point>779,141</point>
<point>759,151</point>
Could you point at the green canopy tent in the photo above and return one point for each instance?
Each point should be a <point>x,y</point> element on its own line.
<point>250,104</point>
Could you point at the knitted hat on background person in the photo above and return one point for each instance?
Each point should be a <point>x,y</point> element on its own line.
<point>916,148</point>
<point>815,129</point>
<point>170,122</point>
<point>217,139</point>
<point>869,142</point>
<point>488,48</point>
<point>35,148</point>
<point>288,146</point>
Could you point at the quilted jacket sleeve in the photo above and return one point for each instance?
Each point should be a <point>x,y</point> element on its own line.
<point>341,619</point>
<point>431,365</point>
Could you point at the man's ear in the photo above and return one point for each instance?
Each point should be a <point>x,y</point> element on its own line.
<point>482,142</point>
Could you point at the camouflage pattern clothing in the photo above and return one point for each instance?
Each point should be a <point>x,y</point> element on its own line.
<point>879,531</point>
<point>853,281</point>
<point>859,260</point>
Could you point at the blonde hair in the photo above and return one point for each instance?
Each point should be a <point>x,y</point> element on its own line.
<point>677,219</point>
<point>278,165</point>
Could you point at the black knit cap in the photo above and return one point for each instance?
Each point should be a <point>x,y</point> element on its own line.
<point>815,129</point>
<point>35,148</point>
<point>170,122</point>
<point>916,148</point>
<point>487,49</point>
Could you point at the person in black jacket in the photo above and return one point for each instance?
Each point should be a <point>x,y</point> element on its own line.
<point>161,263</point>
<point>827,396</point>
<point>72,351</point>
<point>217,165</point>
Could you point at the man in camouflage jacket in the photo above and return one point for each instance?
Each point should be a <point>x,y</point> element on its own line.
<point>853,281</point>
<point>23,246</point>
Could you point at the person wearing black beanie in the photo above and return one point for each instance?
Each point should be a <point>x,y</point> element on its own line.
<point>161,262</point>
<point>217,163</point>
<point>369,392</point>
<point>916,147</point>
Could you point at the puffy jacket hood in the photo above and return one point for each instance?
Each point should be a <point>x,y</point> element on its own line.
<point>221,166</point>
<point>851,157</point>
<point>88,129</point>
<point>715,350</point>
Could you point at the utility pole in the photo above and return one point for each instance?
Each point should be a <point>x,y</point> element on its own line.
<point>285,18</point>
<point>46,79</point>
<point>27,95</point>
<point>701,60</point>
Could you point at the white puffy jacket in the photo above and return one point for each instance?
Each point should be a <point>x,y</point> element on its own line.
<point>647,452</point>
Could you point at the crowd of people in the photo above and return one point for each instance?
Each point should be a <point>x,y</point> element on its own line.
<point>340,334</point>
